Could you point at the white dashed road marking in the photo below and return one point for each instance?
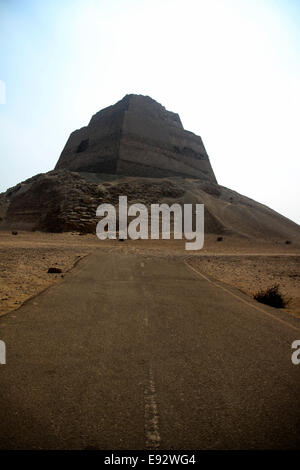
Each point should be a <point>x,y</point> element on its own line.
<point>151,414</point>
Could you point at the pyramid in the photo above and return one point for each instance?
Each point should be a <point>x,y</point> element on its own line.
<point>139,149</point>
<point>136,137</point>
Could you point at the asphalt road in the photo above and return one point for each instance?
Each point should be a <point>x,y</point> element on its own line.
<point>130,352</point>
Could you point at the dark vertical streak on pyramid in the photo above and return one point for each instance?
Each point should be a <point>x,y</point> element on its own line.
<point>137,137</point>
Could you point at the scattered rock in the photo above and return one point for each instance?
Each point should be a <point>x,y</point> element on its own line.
<point>14,233</point>
<point>54,270</point>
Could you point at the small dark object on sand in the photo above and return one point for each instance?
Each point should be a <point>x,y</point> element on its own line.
<point>14,233</point>
<point>288,242</point>
<point>54,270</point>
<point>219,239</point>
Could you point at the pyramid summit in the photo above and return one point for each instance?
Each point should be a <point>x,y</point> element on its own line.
<point>136,137</point>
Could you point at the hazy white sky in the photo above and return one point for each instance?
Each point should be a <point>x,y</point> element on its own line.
<point>230,68</point>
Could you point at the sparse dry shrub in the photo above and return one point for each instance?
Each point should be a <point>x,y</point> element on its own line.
<point>272,297</point>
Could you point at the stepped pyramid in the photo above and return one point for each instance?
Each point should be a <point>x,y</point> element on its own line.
<point>136,137</point>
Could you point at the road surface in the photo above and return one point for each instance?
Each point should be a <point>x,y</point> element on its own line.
<point>137,352</point>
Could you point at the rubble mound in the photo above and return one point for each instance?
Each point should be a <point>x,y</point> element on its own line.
<point>61,201</point>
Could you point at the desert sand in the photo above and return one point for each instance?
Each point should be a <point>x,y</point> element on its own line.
<point>242,263</point>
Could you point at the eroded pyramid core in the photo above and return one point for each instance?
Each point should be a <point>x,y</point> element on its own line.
<point>136,137</point>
